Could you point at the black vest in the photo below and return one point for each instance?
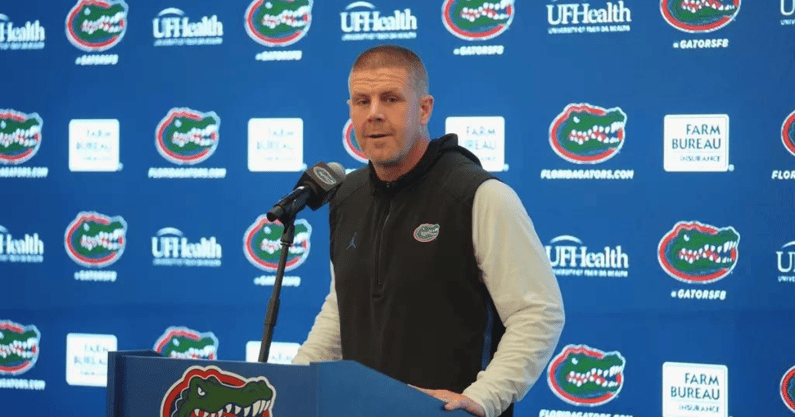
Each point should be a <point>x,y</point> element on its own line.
<point>410,299</point>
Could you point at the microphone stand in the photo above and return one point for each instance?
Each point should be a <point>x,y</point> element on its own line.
<point>273,305</point>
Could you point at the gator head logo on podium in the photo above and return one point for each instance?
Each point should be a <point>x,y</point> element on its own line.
<point>210,391</point>
<point>699,16</point>
<point>585,376</point>
<point>788,133</point>
<point>96,25</point>
<point>186,136</point>
<point>477,20</point>
<point>95,240</point>
<point>787,389</point>
<point>351,144</point>
<point>19,347</point>
<point>588,134</point>
<point>262,244</point>
<point>698,253</point>
<point>278,22</point>
<point>20,136</point>
<point>185,343</point>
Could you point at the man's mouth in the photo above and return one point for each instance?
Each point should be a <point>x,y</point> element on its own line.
<point>377,135</point>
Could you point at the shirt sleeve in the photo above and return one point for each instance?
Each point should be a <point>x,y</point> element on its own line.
<point>323,342</point>
<point>517,274</point>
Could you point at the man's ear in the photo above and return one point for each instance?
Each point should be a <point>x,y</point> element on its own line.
<point>426,109</point>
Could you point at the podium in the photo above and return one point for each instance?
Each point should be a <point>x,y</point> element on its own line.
<point>144,383</point>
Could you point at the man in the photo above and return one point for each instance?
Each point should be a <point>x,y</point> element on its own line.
<point>438,277</point>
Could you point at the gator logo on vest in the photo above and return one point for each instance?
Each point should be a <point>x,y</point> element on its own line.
<point>788,133</point>
<point>185,343</point>
<point>95,240</point>
<point>262,244</point>
<point>587,134</point>
<point>477,20</point>
<point>20,136</point>
<point>426,232</point>
<point>19,347</point>
<point>96,25</point>
<point>211,391</point>
<point>278,22</point>
<point>351,144</point>
<point>699,16</point>
<point>585,376</point>
<point>698,253</point>
<point>787,389</point>
<point>186,136</point>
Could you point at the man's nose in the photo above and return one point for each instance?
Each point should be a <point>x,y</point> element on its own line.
<point>375,110</point>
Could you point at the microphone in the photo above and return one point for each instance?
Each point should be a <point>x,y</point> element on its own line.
<point>315,188</point>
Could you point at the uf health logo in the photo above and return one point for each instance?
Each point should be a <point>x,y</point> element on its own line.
<point>96,25</point>
<point>477,20</point>
<point>699,16</point>
<point>278,22</point>
<point>212,391</point>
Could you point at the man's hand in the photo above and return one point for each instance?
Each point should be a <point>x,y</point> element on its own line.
<point>455,401</point>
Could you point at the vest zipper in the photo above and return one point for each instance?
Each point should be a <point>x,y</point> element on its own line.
<point>378,282</point>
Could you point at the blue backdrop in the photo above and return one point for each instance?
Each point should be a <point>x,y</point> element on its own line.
<point>652,143</point>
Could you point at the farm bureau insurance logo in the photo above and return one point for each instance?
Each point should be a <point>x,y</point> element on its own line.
<point>276,145</point>
<point>96,26</point>
<point>28,249</point>
<point>478,21</point>
<point>20,140</point>
<point>585,376</point>
<point>172,248</point>
<point>785,262</point>
<point>695,390</point>
<point>697,253</point>
<point>87,358</point>
<point>362,21</point>
<point>29,36</point>
<point>172,28</point>
<point>572,18</point>
<point>483,136</point>
<point>570,257</point>
<point>698,16</point>
<point>278,23</point>
<point>788,139</point>
<point>94,145</point>
<point>696,143</point>
<point>187,137</point>
<point>787,389</point>
<point>262,247</point>
<point>587,134</point>
<point>184,343</point>
<point>213,391</point>
<point>350,143</point>
<point>94,240</point>
<point>19,351</point>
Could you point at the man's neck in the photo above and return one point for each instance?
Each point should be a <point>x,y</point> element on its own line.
<point>389,173</point>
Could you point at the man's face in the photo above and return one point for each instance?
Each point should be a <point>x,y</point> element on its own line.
<point>388,115</point>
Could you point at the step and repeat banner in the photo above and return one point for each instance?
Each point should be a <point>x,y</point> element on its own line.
<point>652,143</point>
